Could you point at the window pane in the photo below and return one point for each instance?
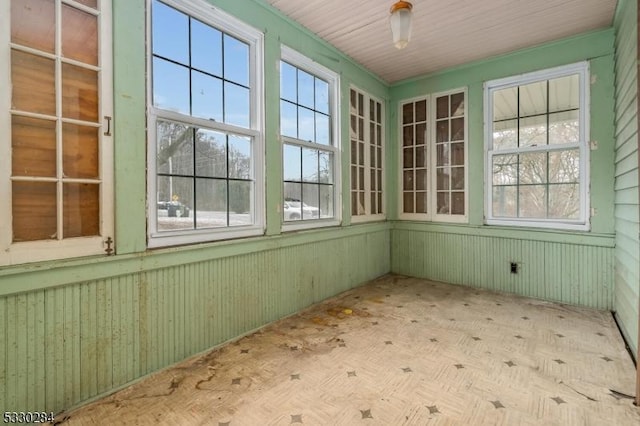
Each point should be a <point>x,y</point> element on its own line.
<point>175,149</point>
<point>170,33</point>
<point>457,203</point>
<point>407,202</point>
<point>564,166</point>
<point>533,168</point>
<point>564,201</point>
<point>532,201</point>
<point>33,211</point>
<point>421,180</point>
<point>288,82</point>
<point>421,111</point>
<point>442,107</point>
<point>170,86</point>
<point>80,151</point>
<point>310,201</point>
<point>533,99</point>
<point>175,203</point>
<point>407,135</point>
<point>79,93</point>
<point>292,209</point>
<point>306,124</point>
<point>236,60</point>
<point>206,96</point>
<point>505,201</point>
<point>239,157</point>
<point>505,169</point>
<point>306,87</point>
<point>326,201</point>
<point>457,129</point>
<point>211,203</point>
<point>322,96</point>
<point>292,162</point>
<point>322,129</point>
<point>457,178</point>
<point>505,134</point>
<point>564,127</point>
<point>211,154</point>
<point>79,35</point>
<point>564,93</point>
<point>408,158</point>
<point>533,131</point>
<point>33,145</point>
<point>309,165</point>
<point>407,180</point>
<point>236,105</point>
<point>442,175</point>
<point>407,113</point>
<point>442,131</point>
<point>288,119</point>
<point>421,156</point>
<point>326,167</point>
<point>421,202</point>
<point>33,85</point>
<point>206,48</point>
<point>457,154</point>
<point>421,134</point>
<point>240,203</point>
<point>457,104</point>
<point>81,217</point>
<point>33,24</point>
<point>443,203</point>
<point>505,104</point>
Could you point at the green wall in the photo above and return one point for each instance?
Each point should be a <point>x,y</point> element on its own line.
<point>627,253</point>
<point>570,267</point>
<point>75,329</point>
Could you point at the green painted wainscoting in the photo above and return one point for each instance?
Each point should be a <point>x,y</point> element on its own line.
<point>627,253</point>
<point>577,271</point>
<point>70,343</point>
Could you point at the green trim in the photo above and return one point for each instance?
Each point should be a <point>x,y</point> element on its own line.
<point>534,234</point>
<point>38,276</point>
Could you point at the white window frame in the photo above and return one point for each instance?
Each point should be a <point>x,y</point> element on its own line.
<point>368,217</point>
<point>583,222</point>
<point>228,24</point>
<point>430,138</point>
<point>33,251</point>
<point>304,63</point>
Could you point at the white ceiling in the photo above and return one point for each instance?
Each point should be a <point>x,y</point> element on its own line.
<point>445,33</point>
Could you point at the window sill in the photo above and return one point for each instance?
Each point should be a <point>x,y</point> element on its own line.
<point>168,239</point>
<point>309,224</point>
<point>538,224</point>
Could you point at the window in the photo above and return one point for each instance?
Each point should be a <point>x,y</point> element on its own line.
<point>537,149</point>
<point>309,129</point>
<point>433,158</point>
<point>367,156</point>
<point>205,137</point>
<point>55,168</point>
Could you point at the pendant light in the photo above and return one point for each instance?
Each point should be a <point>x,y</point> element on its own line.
<point>400,21</point>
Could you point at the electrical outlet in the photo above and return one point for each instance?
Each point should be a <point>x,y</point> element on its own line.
<point>514,267</point>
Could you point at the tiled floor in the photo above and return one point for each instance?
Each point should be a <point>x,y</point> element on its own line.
<point>399,351</point>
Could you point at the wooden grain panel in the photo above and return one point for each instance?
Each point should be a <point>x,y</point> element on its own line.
<point>81,153</point>
<point>33,83</point>
<point>79,35</point>
<point>33,144</point>
<point>34,211</point>
<point>33,24</point>
<point>79,93</point>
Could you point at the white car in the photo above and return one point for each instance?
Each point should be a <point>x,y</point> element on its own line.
<point>296,210</point>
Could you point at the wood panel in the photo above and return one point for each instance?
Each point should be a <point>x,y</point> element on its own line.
<point>65,345</point>
<point>568,273</point>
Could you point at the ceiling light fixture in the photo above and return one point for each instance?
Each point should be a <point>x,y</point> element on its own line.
<point>400,20</point>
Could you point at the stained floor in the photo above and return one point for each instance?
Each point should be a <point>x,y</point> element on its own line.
<point>398,351</point>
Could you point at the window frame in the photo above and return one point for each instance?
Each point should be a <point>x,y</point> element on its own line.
<point>583,222</point>
<point>431,160</point>
<point>226,24</point>
<point>300,61</point>
<point>14,253</point>
<point>368,216</point>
